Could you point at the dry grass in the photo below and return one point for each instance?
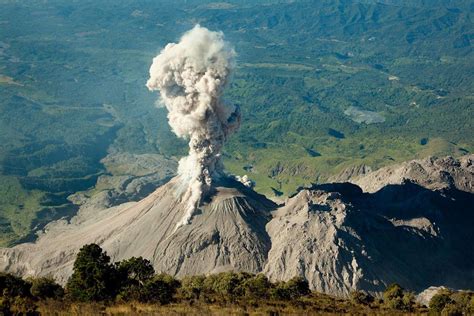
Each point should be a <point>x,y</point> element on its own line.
<point>315,304</point>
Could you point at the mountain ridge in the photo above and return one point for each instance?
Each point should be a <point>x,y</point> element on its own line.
<point>336,235</point>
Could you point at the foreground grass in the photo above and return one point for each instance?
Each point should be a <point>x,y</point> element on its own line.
<point>316,303</point>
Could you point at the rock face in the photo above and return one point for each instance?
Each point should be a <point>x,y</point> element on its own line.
<point>415,229</point>
<point>425,296</point>
<point>342,239</point>
<point>228,233</point>
<point>431,173</point>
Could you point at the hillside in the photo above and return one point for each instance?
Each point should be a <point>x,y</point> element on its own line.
<point>335,235</point>
<point>323,86</point>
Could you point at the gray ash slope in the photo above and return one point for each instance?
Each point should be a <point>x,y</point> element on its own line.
<point>414,229</point>
<point>417,230</point>
<point>227,233</point>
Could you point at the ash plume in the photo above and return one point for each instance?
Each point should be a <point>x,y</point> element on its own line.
<point>190,77</point>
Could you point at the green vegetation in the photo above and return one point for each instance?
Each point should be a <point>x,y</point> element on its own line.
<point>448,302</point>
<point>131,286</point>
<point>322,86</point>
<point>94,278</point>
<point>396,297</point>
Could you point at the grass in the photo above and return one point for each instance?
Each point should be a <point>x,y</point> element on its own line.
<point>18,209</point>
<point>286,169</point>
<point>316,303</point>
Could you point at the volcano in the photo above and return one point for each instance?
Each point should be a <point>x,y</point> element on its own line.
<point>337,236</point>
<point>227,232</point>
<point>413,224</point>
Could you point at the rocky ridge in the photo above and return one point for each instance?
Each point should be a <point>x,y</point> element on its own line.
<point>414,229</point>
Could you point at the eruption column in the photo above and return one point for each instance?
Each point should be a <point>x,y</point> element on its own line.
<point>190,77</point>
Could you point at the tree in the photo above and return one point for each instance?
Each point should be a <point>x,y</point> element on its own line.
<point>440,300</point>
<point>93,278</point>
<point>192,286</point>
<point>257,286</point>
<point>133,274</point>
<point>396,297</point>
<point>160,289</point>
<point>135,270</point>
<point>361,298</point>
<point>293,289</point>
<point>297,287</point>
<point>45,287</point>
<point>11,286</point>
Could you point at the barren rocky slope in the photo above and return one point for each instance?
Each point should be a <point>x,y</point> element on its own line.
<point>416,229</point>
<point>228,233</point>
<point>431,173</point>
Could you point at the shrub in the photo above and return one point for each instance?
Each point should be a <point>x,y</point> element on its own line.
<point>132,275</point>
<point>440,300</point>
<point>452,309</point>
<point>21,305</point>
<point>293,289</point>
<point>45,287</point>
<point>361,298</point>
<point>159,289</point>
<point>11,286</point>
<point>192,286</point>
<point>93,278</point>
<point>227,285</point>
<point>464,300</point>
<point>395,297</point>
<point>257,286</point>
<point>448,302</point>
<point>298,286</point>
<point>135,271</point>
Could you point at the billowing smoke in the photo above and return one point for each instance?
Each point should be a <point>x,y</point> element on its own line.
<point>245,180</point>
<point>190,77</point>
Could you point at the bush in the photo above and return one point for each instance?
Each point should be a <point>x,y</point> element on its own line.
<point>440,300</point>
<point>159,289</point>
<point>448,302</point>
<point>395,297</point>
<point>192,286</point>
<point>132,275</point>
<point>11,286</point>
<point>452,309</point>
<point>293,289</point>
<point>21,306</point>
<point>464,300</point>
<point>298,286</point>
<point>257,286</point>
<point>227,285</point>
<point>93,278</point>
<point>135,271</point>
<point>15,296</point>
<point>361,298</point>
<point>44,287</point>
